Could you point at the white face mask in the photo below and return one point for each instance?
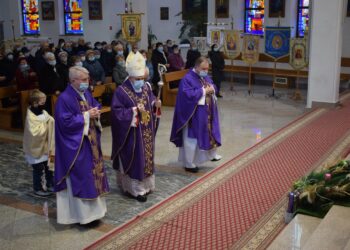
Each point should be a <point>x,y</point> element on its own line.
<point>79,64</point>
<point>52,63</point>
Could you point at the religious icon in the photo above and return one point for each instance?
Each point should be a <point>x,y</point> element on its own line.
<point>276,8</point>
<point>298,54</point>
<point>131,29</point>
<point>230,44</point>
<point>277,42</point>
<point>222,8</point>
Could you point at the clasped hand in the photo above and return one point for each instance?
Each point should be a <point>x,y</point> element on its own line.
<point>94,113</point>
<point>209,90</point>
<point>141,107</point>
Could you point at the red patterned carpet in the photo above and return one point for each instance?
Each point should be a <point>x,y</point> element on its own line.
<point>239,205</point>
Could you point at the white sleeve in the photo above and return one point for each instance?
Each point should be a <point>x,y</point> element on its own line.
<point>86,123</point>
<point>202,100</point>
<point>134,118</point>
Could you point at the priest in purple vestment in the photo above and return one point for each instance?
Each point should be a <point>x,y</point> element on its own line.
<point>196,129</point>
<point>134,126</point>
<point>80,177</point>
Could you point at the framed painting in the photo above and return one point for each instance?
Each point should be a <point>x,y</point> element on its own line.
<point>348,9</point>
<point>221,8</point>
<point>95,9</point>
<point>48,10</point>
<point>164,13</point>
<point>277,8</point>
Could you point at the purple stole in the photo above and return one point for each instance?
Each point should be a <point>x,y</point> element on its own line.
<point>209,102</point>
<point>98,170</point>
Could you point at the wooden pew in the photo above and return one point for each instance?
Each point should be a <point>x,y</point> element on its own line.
<point>169,95</point>
<point>7,113</point>
<point>98,91</point>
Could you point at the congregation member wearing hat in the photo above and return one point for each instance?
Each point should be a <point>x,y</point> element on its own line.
<point>133,131</point>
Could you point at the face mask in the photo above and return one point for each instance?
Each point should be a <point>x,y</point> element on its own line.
<point>138,84</point>
<point>121,63</point>
<point>83,86</point>
<point>97,57</point>
<point>203,73</point>
<point>176,52</point>
<point>99,47</point>
<point>10,57</point>
<point>170,45</point>
<point>62,44</point>
<point>91,58</point>
<point>82,58</point>
<point>18,48</point>
<point>23,67</point>
<point>109,50</point>
<point>38,110</point>
<point>120,52</point>
<point>216,49</point>
<point>194,48</point>
<point>27,54</point>
<point>79,64</point>
<point>69,49</point>
<point>160,49</point>
<point>52,63</point>
<point>89,46</point>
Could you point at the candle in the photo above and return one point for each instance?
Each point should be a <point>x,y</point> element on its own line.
<point>290,208</point>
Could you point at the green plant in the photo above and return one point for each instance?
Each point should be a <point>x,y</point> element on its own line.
<point>151,37</point>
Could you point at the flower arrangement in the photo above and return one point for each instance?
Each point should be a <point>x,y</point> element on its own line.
<point>315,193</point>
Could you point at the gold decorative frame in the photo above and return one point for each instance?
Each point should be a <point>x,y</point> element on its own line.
<point>131,27</point>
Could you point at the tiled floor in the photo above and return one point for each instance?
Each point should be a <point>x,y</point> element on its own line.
<point>27,222</point>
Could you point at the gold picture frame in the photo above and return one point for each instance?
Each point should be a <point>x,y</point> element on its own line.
<point>131,27</point>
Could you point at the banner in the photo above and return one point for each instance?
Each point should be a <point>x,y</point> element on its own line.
<point>298,57</point>
<point>215,35</point>
<point>231,44</point>
<point>201,43</point>
<point>277,41</point>
<point>131,27</point>
<point>250,50</point>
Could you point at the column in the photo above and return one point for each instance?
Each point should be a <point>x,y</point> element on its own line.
<point>325,52</point>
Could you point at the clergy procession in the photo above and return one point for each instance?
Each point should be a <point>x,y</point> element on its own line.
<point>65,150</point>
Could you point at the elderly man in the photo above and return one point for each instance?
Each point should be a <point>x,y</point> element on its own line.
<point>195,127</point>
<point>133,131</point>
<point>80,177</point>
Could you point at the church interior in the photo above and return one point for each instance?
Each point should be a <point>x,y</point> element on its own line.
<point>282,180</point>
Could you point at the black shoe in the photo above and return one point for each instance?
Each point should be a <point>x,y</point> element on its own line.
<point>219,96</point>
<point>141,198</point>
<point>192,170</point>
<point>42,194</point>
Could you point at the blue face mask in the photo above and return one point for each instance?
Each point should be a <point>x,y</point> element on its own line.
<point>160,49</point>
<point>203,73</point>
<point>138,84</point>
<point>83,86</point>
<point>120,53</point>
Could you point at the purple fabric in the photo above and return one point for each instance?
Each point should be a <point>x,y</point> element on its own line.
<point>176,62</point>
<point>187,112</point>
<point>129,142</point>
<point>73,154</point>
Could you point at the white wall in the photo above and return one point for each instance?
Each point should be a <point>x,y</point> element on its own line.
<point>165,29</point>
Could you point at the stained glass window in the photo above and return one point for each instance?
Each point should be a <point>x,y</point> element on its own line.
<point>254,17</point>
<point>30,16</point>
<point>73,17</point>
<point>303,17</point>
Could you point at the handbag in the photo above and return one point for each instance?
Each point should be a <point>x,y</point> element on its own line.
<point>106,97</point>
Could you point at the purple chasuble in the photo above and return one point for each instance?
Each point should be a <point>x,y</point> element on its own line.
<point>78,156</point>
<point>133,145</point>
<point>202,120</point>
